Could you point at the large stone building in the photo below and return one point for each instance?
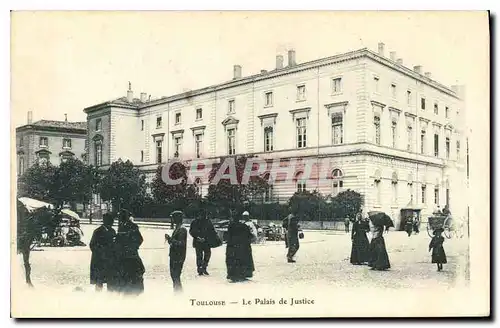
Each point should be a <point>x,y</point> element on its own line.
<point>392,133</point>
<point>52,141</point>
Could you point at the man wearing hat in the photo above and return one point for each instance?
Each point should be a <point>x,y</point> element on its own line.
<point>177,249</point>
<point>204,238</point>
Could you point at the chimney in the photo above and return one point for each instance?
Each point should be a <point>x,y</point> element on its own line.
<point>381,48</point>
<point>428,74</point>
<point>65,117</point>
<point>291,58</point>
<point>130,93</point>
<point>30,117</point>
<point>400,61</point>
<point>392,55</point>
<point>143,97</point>
<point>417,69</point>
<point>279,62</point>
<point>149,98</point>
<point>263,71</point>
<point>236,72</point>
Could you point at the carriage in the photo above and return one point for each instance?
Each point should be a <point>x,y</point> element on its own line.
<point>449,225</point>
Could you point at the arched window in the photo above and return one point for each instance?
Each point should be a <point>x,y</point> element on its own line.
<point>300,182</point>
<point>448,192</point>
<point>378,187</point>
<point>410,188</point>
<point>394,183</point>
<point>338,182</point>
<point>436,193</point>
<point>197,186</point>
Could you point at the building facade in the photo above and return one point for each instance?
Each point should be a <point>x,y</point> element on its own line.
<point>389,132</point>
<point>52,141</point>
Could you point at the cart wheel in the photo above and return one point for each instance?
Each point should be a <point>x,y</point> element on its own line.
<point>447,227</point>
<point>430,232</point>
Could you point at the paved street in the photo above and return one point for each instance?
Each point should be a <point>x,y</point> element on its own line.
<point>322,263</point>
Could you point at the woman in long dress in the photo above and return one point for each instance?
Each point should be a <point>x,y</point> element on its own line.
<point>131,268</point>
<point>359,252</point>
<point>436,245</point>
<point>102,248</point>
<point>239,259</point>
<point>292,237</point>
<point>379,259</point>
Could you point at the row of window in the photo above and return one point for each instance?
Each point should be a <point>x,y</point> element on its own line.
<point>409,98</point>
<point>44,142</point>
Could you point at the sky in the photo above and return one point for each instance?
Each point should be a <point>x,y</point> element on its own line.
<point>62,62</point>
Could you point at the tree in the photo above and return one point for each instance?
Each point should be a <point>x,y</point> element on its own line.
<point>348,203</point>
<point>122,184</point>
<point>234,194</point>
<point>38,182</point>
<point>309,205</point>
<point>178,195</point>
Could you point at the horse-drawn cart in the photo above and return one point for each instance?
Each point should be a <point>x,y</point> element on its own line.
<point>449,225</point>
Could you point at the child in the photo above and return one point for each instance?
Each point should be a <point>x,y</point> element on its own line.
<point>177,250</point>
<point>436,245</point>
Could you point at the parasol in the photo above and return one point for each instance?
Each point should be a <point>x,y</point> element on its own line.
<point>380,219</point>
<point>71,214</point>
<point>33,204</point>
<point>177,213</point>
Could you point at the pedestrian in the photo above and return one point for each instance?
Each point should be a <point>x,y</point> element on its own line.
<point>378,257</point>
<point>178,243</point>
<point>204,239</point>
<point>251,225</point>
<point>359,251</point>
<point>130,266</point>
<point>292,236</point>
<point>347,222</point>
<point>409,225</point>
<point>102,248</point>
<point>416,224</point>
<point>446,210</point>
<point>239,258</point>
<point>436,245</point>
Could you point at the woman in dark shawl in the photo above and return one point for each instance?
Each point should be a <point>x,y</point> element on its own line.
<point>378,257</point>
<point>436,245</point>
<point>102,247</point>
<point>409,226</point>
<point>292,237</point>
<point>239,259</point>
<point>359,252</point>
<point>130,266</point>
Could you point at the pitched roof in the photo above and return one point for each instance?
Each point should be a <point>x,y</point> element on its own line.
<point>56,125</point>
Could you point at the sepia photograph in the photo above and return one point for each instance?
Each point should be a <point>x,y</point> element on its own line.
<point>250,164</point>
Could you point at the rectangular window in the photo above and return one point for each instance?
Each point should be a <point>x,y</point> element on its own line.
<point>447,112</point>
<point>231,108</point>
<point>268,138</point>
<point>98,154</point>
<point>378,190</point>
<point>177,146</point>
<point>199,113</point>
<point>44,142</point>
<point>268,99</point>
<point>67,143</point>
<point>424,188</point>
<point>142,125</point>
<point>142,156</point>
<point>422,142</point>
<point>393,90</point>
<point>337,85</point>
<point>394,130</point>
<point>376,83</point>
<point>21,166</point>
<point>301,186</point>
<point>198,144</point>
<point>394,193</point>
<point>301,133</point>
<point>158,122</point>
<point>301,92</point>
<point>422,103</point>
<point>410,191</point>
<point>458,150</point>
<point>447,148</point>
<point>337,129</point>
<point>268,194</point>
<point>337,187</point>
<point>159,151</point>
<point>178,118</point>
<point>409,131</point>
<point>98,124</point>
<point>436,108</point>
<point>436,195</point>
<point>408,97</point>
<point>436,145</point>
<point>231,141</point>
<point>376,123</point>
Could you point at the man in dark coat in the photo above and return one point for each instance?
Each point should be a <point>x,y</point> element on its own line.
<point>131,268</point>
<point>204,238</point>
<point>102,247</point>
<point>347,222</point>
<point>177,254</point>
<point>239,257</point>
